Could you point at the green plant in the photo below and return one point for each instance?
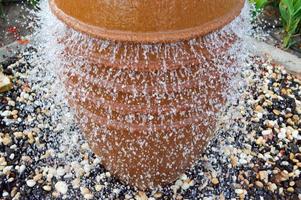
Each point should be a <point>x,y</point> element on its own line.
<point>259,4</point>
<point>1,10</point>
<point>290,11</point>
<point>34,4</point>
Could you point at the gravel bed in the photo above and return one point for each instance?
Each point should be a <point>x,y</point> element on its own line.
<point>256,153</point>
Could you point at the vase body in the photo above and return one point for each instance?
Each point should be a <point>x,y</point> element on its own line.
<point>147,98</point>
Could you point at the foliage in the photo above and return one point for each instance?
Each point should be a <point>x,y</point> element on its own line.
<point>259,4</point>
<point>290,11</point>
<point>34,4</point>
<point>1,10</point>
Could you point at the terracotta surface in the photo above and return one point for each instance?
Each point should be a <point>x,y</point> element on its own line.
<point>148,116</point>
<point>146,20</point>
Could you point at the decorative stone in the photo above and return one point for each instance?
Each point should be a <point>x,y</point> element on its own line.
<point>6,140</point>
<point>98,187</point>
<point>31,183</point>
<point>239,191</point>
<point>5,83</point>
<point>61,187</point>
<point>259,184</point>
<point>263,175</point>
<point>215,181</point>
<point>60,171</point>
<point>290,189</point>
<point>282,134</point>
<point>267,132</point>
<point>47,188</point>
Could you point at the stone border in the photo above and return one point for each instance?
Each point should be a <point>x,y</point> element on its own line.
<point>11,50</point>
<point>292,63</point>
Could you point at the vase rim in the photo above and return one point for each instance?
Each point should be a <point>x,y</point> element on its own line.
<point>147,37</point>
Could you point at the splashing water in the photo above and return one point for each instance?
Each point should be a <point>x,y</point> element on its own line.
<point>151,99</point>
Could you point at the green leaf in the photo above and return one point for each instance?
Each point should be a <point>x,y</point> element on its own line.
<point>283,13</point>
<point>287,41</point>
<point>34,3</point>
<point>2,15</point>
<point>259,4</point>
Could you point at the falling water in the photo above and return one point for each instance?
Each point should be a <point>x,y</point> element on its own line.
<point>64,77</point>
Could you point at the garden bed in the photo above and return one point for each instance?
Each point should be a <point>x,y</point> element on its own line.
<point>256,153</point>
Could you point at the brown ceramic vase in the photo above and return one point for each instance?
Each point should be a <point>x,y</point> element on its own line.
<point>148,117</point>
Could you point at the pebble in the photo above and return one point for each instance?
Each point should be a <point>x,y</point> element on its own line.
<point>6,140</point>
<point>6,113</point>
<point>60,171</point>
<point>86,193</point>
<point>215,181</point>
<point>276,112</point>
<point>47,188</point>
<point>61,187</point>
<point>11,103</point>
<point>272,187</point>
<point>271,124</point>
<point>239,191</point>
<point>5,194</point>
<point>290,189</point>
<point>295,134</point>
<point>5,83</point>
<point>18,134</point>
<point>259,184</point>
<point>260,140</point>
<point>37,177</point>
<point>31,183</point>
<point>25,95</point>
<point>12,156</point>
<point>75,183</point>
<point>263,175</point>
<point>187,184</point>
<point>179,183</point>
<point>258,108</point>
<point>22,169</point>
<point>282,134</point>
<point>98,187</point>
<point>88,196</point>
<point>141,196</point>
<point>267,132</point>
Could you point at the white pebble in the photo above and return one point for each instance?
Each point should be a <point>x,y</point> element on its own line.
<point>116,191</point>
<point>239,191</point>
<point>88,196</point>
<point>185,186</point>
<point>6,113</point>
<point>295,134</point>
<point>5,194</point>
<point>76,183</point>
<point>259,115</point>
<point>31,183</point>
<point>60,171</point>
<point>61,187</point>
<point>24,95</point>
<point>267,132</point>
<point>98,187</point>
<point>12,156</point>
<point>282,133</point>
<point>22,169</point>
<point>179,183</point>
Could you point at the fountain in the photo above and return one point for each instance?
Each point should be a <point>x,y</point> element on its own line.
<point>148,79</point>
